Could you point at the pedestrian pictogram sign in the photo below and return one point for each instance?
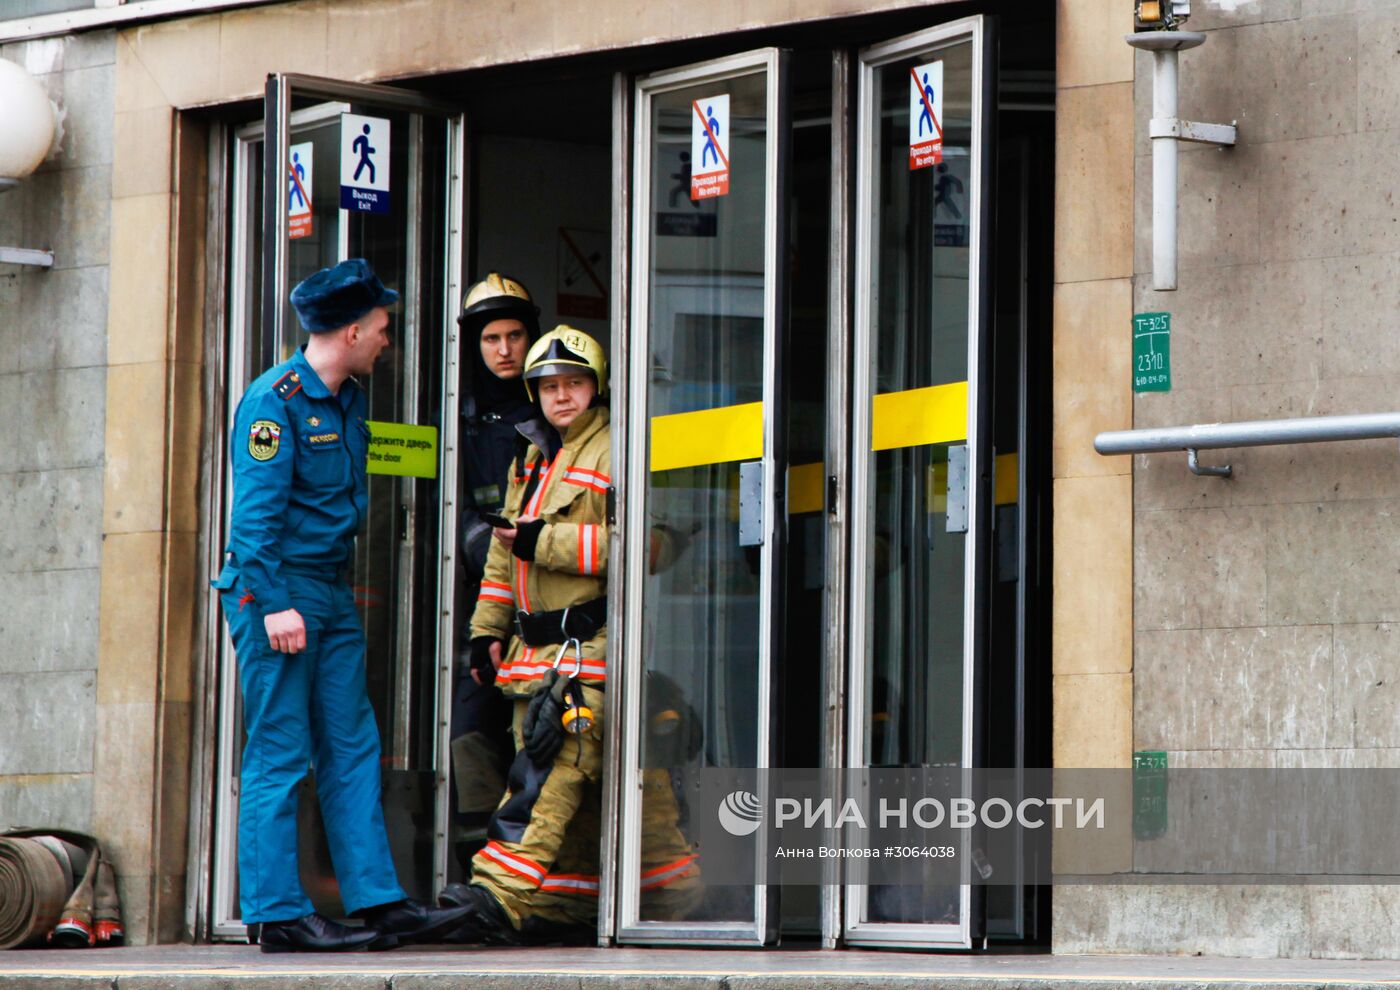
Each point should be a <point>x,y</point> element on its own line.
<point>709,147</point>
<point>364,163</point>
<point>299,191</point>
<point>925,115</point>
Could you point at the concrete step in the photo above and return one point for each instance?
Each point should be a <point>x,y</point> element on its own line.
<point>230,967</point>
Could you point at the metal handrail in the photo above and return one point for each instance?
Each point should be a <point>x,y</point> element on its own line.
<point>1254,433</point>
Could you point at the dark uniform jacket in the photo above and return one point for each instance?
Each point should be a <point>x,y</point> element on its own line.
<point>489,445</point>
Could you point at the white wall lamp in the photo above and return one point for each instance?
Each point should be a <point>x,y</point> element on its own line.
<point>27,125</point>
<point>1157,32</point>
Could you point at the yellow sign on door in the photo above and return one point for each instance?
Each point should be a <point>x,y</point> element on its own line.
<point>402,449</point>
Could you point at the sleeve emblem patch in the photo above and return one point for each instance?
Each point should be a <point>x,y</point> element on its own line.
<point>264,437</point>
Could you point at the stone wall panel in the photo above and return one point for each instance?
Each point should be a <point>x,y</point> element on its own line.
<point>1334,562</point>
<point>44,730</point>
<point>52,522</point>
<point>1199,568</point>
<point>46,800</point>
<point>54,413</point>
<point>1195,919</point>
<point>1233,689</point>
<point>1297,78</point>
<point>1366,686</point>
<point>53,341</point>
<point>49,622</point>
<point>62,319</point>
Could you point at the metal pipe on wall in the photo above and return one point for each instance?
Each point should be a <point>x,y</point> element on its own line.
<point>1166,129</point>
<point>1252,433</point>
<point>1164,152</point>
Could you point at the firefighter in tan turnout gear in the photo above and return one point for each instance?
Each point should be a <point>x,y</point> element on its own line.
<point>540,617</point>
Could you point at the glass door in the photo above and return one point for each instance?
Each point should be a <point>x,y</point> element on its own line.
<point>921,455</point>
<point>398,203</point>
<point>704,502</point>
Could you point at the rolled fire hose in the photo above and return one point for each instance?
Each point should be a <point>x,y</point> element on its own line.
<point>32,892</point>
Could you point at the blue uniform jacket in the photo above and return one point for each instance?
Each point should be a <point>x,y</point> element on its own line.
<point>299,487</point>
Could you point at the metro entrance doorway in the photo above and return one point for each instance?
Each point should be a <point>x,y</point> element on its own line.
<point>819,402</point>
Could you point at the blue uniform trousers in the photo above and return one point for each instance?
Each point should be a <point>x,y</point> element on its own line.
<point>308,708</point>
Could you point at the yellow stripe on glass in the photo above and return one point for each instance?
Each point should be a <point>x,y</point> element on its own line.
<point>806,488</point>
<point>806,485</point>
<point>937,414</point>
<point>710,436</point>
<point>1006,479</point>
<point>1005,482</point>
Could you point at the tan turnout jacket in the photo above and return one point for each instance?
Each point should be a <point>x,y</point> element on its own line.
<point>571,557</point>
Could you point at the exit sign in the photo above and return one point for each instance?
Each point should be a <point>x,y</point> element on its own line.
<point>1152,352</point>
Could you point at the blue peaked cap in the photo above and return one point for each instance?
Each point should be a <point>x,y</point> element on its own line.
<point>336,297</point>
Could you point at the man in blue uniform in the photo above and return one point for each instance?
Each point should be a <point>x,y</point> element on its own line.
<point>299,449</point>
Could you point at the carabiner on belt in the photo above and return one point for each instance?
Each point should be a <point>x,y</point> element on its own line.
<point>578,655</point>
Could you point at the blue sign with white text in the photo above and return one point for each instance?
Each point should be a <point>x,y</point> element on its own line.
<point>364,163</point>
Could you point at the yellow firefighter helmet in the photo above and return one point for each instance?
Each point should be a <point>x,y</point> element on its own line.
<point>498,297</point>
<point>562,350</point>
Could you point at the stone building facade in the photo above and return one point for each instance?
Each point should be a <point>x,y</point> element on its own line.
<point>1246,622</point>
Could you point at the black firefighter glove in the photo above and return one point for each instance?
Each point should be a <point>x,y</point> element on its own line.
<point>543,728</point>
<point>481,658</point>
<point>527,534</point>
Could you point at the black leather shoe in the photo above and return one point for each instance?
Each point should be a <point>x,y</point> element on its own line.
<point>315,933</point>
<point>485,921</point>
<point>413,921</point>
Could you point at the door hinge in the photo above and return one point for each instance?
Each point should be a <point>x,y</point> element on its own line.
<point>957,489</point>
<point>751,504</point>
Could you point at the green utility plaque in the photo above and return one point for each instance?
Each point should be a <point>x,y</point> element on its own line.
<point>1152,352</point>
<point>1149,794</point>
<point>402,449</point>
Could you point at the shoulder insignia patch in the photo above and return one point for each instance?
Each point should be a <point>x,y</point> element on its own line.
<point>288,385</point>
<point>264,437</point>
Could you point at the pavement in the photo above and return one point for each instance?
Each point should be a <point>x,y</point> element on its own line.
<point>236,967</point>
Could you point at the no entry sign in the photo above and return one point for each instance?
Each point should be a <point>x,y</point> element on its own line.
<point>709,147</point>
<point>926,115</point>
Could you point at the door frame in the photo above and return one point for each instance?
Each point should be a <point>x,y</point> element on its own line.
<point>868,62</point>
<point>274,131</point>
<point>838,469</point>
<point>234,369</point>
<point>626,873</point>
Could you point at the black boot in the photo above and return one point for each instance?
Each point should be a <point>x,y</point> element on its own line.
<point>314,933</point>
<point>412,921</point>
<point>455,895</point>
<point>485,923</point>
